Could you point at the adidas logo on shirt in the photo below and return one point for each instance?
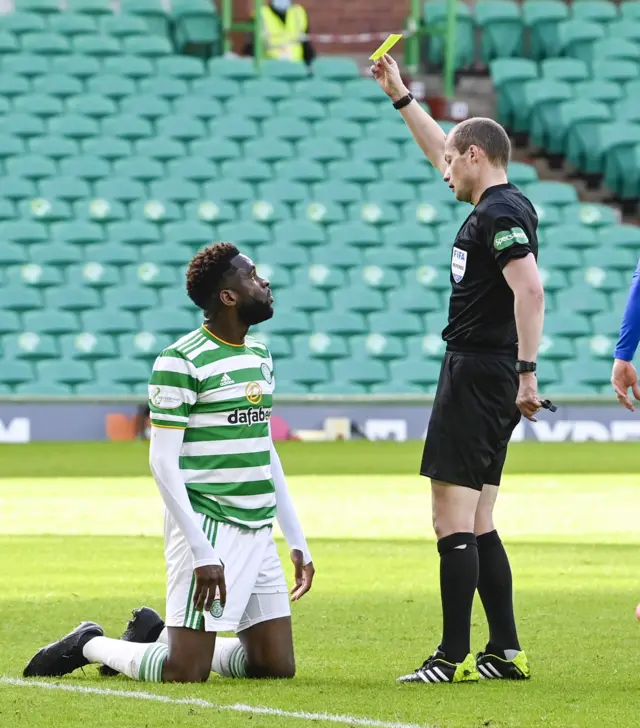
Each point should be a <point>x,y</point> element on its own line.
<point>226,380</point>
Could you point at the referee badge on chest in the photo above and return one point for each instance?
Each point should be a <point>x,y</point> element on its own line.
<point>458,264</point>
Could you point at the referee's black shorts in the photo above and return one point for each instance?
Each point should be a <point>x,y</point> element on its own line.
<point>473,417</point>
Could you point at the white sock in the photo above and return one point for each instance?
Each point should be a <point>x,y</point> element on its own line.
<point>228,658</point>
<point>140,662</point>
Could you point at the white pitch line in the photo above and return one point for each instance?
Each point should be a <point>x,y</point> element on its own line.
<point>198,702</point>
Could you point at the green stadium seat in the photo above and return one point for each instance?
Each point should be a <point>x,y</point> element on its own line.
<point>112,86</point>
<point>606,324</point>
<point>321,149</point>
<point>190,234</point>
<point>77,232</point>
<point>583,299</point>
<point>435,15</point>
<point>353,110</point>
<point>186,68</point>
<point>151,11</point>
<point>75,66</point>
<point>607,92</point>
<point>142,345</point>
<point>302,298</point>
<point>244,233</point>
<point>286,323</point>
<point>335,68</point>
<point>265,211</point>
<point>577,36</point>
<point>121,25</point>
<point>130,298</point>
<point>174,298</point>
<point>10,146</point>
<point>366,371</point>
<point>120,189</point>
<point>590,214</point>
<point>196,22</point>
<point>15,372</point>
<point>124,371</point>
<point>102,389</point>
<point>610,49</point>
<point>239,69</point>
<point>17,188</point>
<point>501,29</point>
<point>237,129</point>
<point>210,212</point>
<point>596,11</point>
<point>129,126</point>
<point>108,322</point>
<point>215,150</point>
<point>101,210</point>
<point>9,321</point>
<point>337,256</point>
<point>279,278</point>
<point>50,322</point>
<point>587,371</point>
<point>283,70</point>
<point>38,105</point>
<point>573,236</point>
<point>226,88</point>
<point>75,126</point>
<point>167,321</point>
<point>347,323</point>
<point>295,375</point>
<point>376,151</point>
<point>374,213</point>
<point>19,297</point>
<point>146,106</point>
<point>287,256</point>
<point>64,188</point>
<point>355,233</point>
<point>616,70</point>
<point>263,87</point>
<point>134,233</point>
<point>55,254</point>
<point>425,347</point>
<point>139,168</point>
<point>541,111</point>
<point>251,170</point>
<point>87,167</point>
<point>88,346</point>
<point>275,151</point>
<point>561,258</point>
<point>621,172</point>
<point>292,129</point>
<point>193,168</point>
<point>408,235</point>
<point>14,85</point>
<point>299,232</point>
<point>134,67</point>
<point>425,373</point>
<point>29,346</point>
<point>542,18</point>
<point>234,191</point>
<point>7,212</point>
<point>330,277</point>
<point>94,274</point>
<point>100,46</point>
<point>553,348</point>
<point>589,151</point>
<point>34,274</point>
<point>629,10</point>
<point>90,7</point>
<point>302,109</point>
<point>158,212</point>
<point>319,89</point>
<point>22,22</point>
<point>72,299</point>
<point>415,298</point>
<point>94,105</point>
<point>353,171</point>
<point>286,191</point>
<point>46,44</point>
<point>364,89</point>
<point>358,298</point>
<point>396,322</point>
<point>522,174</point>
<point>340,129</point>
<point>320,346</point>
<point>163,86</point>
<point>550,192</point>
<point>398,193</point>
<point>595,347</point>
<point>627,110</point>
<point>377,346</point>
<point>160,148</point>
<point>152,46</point>
<point>599,277</point>
<point>250,107</point>
<point>337,191</point>
<point>24,64</point>
<point>23,232</point>
<point>199,106</point>
<point>571,70</point>
<point>31,166</point>
<point>325,213</point>
<point>47,210</point>
<point>611,258</point>
<point>21,125</point>
<point>625,236</point>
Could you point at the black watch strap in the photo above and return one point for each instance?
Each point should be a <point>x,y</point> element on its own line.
<point>525,366</point>
<point>404,101</point>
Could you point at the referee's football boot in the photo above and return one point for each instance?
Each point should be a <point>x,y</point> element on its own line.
<point>64,656</point>
<point>439,670</point>
<point>144,627</point>
<point>495,667</point>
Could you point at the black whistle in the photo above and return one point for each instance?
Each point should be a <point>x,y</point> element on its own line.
<point>547,404</point>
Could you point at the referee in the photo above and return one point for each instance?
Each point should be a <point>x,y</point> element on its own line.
<point>487,381</point>
<point>624,374</point>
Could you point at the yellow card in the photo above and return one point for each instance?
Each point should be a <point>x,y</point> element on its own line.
<point>385,47</point>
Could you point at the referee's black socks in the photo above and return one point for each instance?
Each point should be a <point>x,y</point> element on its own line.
<point>459,569</point>
<point>495,587</point>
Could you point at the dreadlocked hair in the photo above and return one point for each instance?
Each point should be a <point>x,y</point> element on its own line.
<point>206,271</point>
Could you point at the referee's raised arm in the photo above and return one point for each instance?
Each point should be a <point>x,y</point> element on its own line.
<point>427,132</point>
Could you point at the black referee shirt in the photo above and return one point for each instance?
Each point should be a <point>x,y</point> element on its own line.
<point>501,227</point>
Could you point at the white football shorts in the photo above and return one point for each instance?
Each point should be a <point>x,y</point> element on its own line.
<point>256,586</point>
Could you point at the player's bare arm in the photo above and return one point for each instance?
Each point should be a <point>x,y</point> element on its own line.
<point>425,130</point>
<point>523,278</point>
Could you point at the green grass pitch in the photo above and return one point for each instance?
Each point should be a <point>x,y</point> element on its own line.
<point>87,545</point>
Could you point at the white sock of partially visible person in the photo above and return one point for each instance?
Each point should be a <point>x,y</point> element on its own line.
<point>143,662</point>
<point>228,656</point>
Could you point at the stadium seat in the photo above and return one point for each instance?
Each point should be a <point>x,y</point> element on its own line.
<point>15,372</point>
<point>30,347</point>
<point>46,44</point>
<point>19,22</point>
<point>571,70</point>
<point>239,69</point>
<point>577,36</point>
<point>147,46</point>
<point>151,11</point>
<point>435,15</point>
<point>542,18</point>
<point>320,346</point>
<point>45,210</point>
<point>51,322</point>
<point>501,29</point>
<point>124,371</point>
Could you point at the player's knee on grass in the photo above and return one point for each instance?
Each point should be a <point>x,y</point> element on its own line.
<point>268,648</point>
<point>194,671</point>
<point>453,508</point>
<point>280,669</point>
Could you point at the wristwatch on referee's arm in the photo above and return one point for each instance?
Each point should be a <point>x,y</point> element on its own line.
<point>524,367</point>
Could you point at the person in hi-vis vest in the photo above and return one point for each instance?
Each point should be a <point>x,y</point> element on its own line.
<point>285,28</point>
